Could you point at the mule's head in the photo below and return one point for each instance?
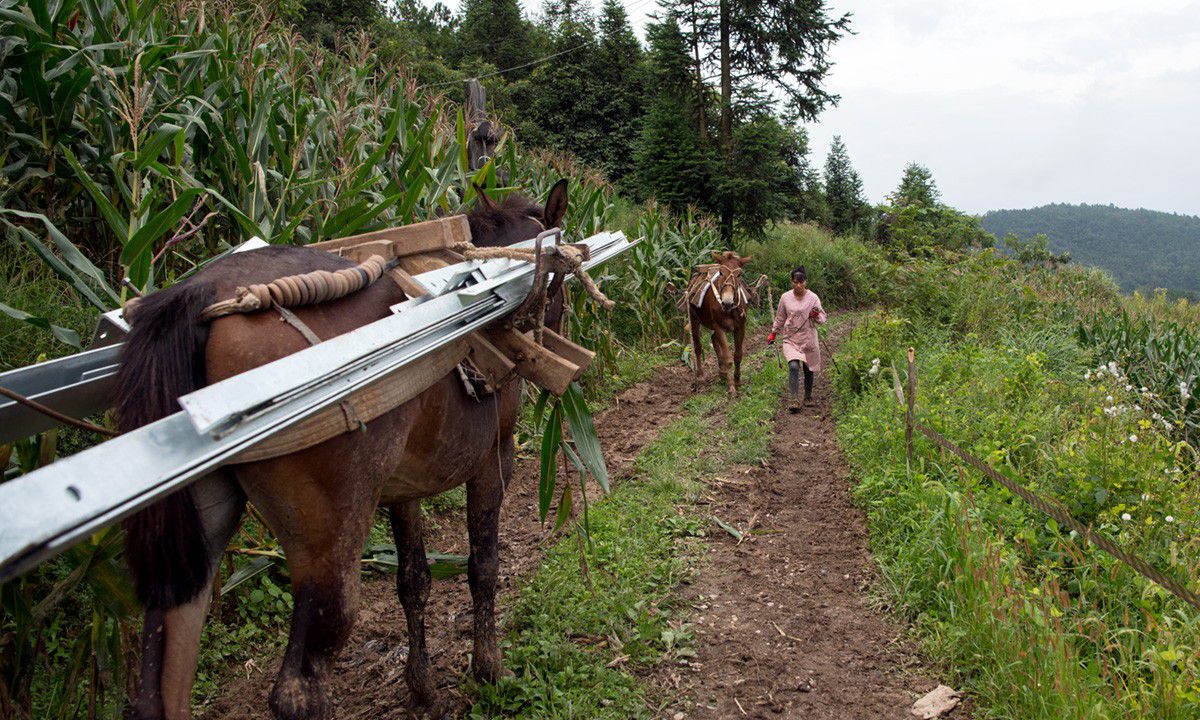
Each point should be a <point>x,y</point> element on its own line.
<point>729,279</point>
<point>517,218</point>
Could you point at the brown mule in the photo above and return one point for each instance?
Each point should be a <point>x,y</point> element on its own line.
<point>319,502</point>
<point>723,310</point>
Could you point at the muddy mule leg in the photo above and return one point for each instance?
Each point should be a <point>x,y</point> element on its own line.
<point>697,349</point>
<point>320,503</point>
<point>484,496</point>
<point>724,359</point>
<point>171,636</point>
<point>412,586</point>
<point>739,340</point>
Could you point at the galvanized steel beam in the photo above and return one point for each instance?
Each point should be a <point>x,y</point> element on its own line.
<point>47,511</point>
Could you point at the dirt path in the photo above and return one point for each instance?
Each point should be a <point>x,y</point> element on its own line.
<point>781,620</point>
<point>369,678</point>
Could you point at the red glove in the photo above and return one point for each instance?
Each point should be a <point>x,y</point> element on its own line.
<point>815,313</point>
<point>771,338</point>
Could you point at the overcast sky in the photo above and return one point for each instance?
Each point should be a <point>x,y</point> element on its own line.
<point>1018,103</point>
<point>1024,102</point>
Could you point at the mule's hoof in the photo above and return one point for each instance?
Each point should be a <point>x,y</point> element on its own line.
<point>299,698</point>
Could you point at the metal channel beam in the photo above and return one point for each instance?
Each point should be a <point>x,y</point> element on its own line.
<point>77,385</point>
<point>46,511</point>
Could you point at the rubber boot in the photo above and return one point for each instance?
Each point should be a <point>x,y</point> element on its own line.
<point>807,398</point>
<point>793,402</point>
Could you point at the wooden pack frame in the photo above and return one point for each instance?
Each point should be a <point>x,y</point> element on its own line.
<point>498,352</point>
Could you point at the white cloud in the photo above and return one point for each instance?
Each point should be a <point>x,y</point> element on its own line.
<point>1023,103</point>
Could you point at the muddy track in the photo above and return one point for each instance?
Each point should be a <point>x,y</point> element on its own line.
<point>783,625</point>
<point>369,677</point>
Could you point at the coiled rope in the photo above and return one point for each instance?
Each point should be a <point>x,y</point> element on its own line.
<point>309,288</point>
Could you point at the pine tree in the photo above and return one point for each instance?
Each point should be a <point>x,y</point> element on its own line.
<point>495,32</point>
<point>324,19</point>
<point>618,75</point>
<point>672,162</point>
<point>843,190</point>
<point>917,187</point>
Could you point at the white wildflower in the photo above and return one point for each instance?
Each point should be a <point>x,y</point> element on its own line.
<point>1126,516</point>
<point>1109,399</point>
<point>1183,391</point>
<point>874,368</point>
<point>1144,391</point>
<point>1128,387</point>
<point>1087,375</point>
<point>1169,518</point>
<point>1133,438</point>
<point>1112,369</point>
<point>1145,497</point>
<point>1155,416</point>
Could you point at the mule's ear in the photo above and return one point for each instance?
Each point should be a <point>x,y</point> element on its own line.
<point>717,257</point>
<point>486,201</point>
<point>556,205</point>
<point>746,260</point>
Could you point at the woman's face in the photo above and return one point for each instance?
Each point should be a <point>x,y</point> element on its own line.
<point>799,286</point>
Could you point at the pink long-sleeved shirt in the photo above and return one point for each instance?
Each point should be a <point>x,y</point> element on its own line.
<point>797,330</point>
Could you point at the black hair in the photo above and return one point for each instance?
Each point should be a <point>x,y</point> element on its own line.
<point>799,274</point>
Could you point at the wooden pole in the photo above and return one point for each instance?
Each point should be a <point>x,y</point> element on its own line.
<point>482,134</point>
<point>910,414</point>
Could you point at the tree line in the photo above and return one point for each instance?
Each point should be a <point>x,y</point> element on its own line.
<point>708,112</point>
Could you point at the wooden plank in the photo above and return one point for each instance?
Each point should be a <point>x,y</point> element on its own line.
<point>408,239</point>
<point>362,253</point>
<point>534,362</point>
<point>488,359</point>
<point>567,350</point>
<point>411,286</point>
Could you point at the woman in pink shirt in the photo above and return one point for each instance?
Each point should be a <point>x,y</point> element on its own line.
<point>797,319</point>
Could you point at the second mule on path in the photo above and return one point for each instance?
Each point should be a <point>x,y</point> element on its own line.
<point>717,299</point>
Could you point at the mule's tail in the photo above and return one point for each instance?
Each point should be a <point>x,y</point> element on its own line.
<point>163,358</point>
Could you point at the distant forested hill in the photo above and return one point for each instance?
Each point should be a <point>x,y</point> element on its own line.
<point>1143,249</point>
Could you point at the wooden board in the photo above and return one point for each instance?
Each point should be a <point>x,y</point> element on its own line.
<point>534,362</point>
<point>406,240</point>
<point>569,351</point>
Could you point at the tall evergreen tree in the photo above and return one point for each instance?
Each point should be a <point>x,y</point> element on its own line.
<point>782,44</point>
<point>672,162</point>
<point>324,19</point>
<point>843,190</point>
<point>618,62</point>
<point>495,31</point>
<point>917,187</point>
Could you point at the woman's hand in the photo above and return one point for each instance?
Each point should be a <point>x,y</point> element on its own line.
<point>771,338</point>
<point>814,313</point>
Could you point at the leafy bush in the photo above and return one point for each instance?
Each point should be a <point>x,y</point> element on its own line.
<point>986,578</point>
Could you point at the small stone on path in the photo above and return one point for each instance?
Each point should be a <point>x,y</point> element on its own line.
<point>936,703</point>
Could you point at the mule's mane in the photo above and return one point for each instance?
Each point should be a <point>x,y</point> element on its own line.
<point>488,217</point>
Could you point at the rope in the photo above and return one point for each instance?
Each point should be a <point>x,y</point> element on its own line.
<point>52,413</point>
<point>306,289</point>
<point>1060,515</point>
<point>569,258</point>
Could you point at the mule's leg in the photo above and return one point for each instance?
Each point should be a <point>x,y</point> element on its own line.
<point>739,338</point>
<point>412,585</point>
<point>697,349</point>
<point>319,502</point>
<point>721,348</point>
<point>171,636</point>
<point>485,493</point>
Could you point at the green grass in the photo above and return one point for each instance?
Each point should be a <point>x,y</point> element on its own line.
<point>584,624</point>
